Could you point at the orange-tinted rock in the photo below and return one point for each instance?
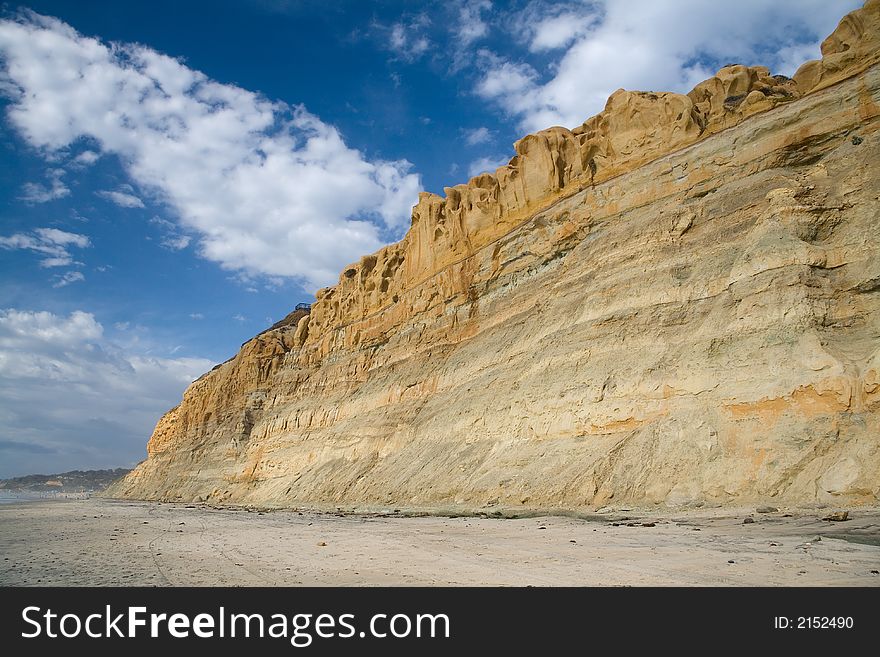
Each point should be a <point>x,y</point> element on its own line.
<point>675,302</point>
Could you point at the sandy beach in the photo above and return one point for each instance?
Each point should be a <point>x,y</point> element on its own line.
<point>112,543</point>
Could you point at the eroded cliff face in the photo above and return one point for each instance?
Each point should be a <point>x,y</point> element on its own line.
<point>677,302</point>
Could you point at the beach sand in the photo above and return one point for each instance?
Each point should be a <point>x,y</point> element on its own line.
<point>116,543</point>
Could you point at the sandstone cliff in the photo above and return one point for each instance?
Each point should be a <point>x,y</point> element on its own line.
<point>677,302</point>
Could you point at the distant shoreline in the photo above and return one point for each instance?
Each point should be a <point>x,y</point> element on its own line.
<point>31,498</point>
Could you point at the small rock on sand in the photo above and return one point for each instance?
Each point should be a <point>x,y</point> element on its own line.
<point>766,509</point>
<point>837,516</point>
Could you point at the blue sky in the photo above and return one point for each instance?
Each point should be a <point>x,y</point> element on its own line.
<point>176,176</point>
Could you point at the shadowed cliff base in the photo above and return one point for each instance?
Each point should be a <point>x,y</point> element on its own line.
<point>674,304</point>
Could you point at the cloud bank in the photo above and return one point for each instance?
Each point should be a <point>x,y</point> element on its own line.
<point>72,398</point>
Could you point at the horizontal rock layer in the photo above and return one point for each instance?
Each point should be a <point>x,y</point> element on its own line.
<point>677,302</point>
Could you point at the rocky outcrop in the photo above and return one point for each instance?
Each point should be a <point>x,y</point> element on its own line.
<point>677,302</point>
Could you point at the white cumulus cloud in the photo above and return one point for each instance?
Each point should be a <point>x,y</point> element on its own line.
<point>86,158</point>
<point>470,25</point>
<point>487,164</point>
<point>557,31</point>
<point>65,279</point>
<point>477,136</point>
<point>171,237</point>
<point>51,243</point>
<point>649,45</point>
<point>408,39</point>
<point>40,193</point>
<point>268,188</point>
<point>122,199</point>
<point>176,242</point>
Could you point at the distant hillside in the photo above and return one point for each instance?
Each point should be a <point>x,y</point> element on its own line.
<point>75,481</point>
